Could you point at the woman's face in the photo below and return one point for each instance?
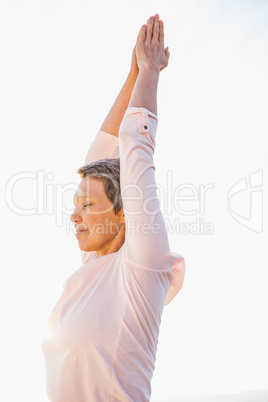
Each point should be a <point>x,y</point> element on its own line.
<point>96,223</point>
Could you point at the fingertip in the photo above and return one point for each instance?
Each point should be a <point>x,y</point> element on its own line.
<point>142,33</point>
<point>167,52</point>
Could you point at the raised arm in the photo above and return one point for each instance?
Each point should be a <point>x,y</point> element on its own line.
<point>105,144</point>
<point>146,237</point>
<point>115,116</point>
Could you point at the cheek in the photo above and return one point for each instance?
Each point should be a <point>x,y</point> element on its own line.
<point>88,218</point>
<point>93,218</point>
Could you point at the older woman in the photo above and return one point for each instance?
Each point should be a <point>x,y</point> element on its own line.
<point>104,328</point>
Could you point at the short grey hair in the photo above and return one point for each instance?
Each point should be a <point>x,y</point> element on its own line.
<point>107,171</point>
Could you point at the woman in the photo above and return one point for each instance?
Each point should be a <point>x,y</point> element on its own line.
<point>104,328</point>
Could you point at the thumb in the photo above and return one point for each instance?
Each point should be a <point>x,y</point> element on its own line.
<point>139,34</point>
<point>167,53</point>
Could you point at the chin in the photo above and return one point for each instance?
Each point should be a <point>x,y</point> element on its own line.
<point>86,246</point>
<point>86,249</point>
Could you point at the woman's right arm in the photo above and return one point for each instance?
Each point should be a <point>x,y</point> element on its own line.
<point>146,238</point>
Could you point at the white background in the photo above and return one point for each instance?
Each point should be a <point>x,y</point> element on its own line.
<point>62,65</point>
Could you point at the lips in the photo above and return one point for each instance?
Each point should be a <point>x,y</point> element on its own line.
<point>81,229</point>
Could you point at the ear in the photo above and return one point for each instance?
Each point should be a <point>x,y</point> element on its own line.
<point>121,214</point>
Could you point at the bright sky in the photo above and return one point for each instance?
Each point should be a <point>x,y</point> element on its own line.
<point>62,65</point>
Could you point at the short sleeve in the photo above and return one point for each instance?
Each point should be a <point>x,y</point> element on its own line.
<point>104,146</point>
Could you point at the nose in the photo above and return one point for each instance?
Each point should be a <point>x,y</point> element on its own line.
<point>75,217</point>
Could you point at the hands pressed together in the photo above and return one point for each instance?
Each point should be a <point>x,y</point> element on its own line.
<point>149,51</point>
<point>149,56</point>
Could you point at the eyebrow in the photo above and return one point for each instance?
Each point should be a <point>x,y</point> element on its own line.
<point>82,197</point>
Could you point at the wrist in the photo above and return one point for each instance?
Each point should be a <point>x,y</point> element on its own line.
<point>133,74</point>
<point>150,67</point>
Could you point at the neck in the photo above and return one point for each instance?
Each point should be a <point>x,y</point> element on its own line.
<point>114,245</point>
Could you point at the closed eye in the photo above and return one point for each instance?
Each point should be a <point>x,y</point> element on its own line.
<point>87,205</point>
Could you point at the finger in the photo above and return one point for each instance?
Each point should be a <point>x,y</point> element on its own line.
<point>149,30</point>
<point>139,34</point>
<point>161,31</point>
<point>156,28</point>
<point>142,34</point>
<point>167,53</point>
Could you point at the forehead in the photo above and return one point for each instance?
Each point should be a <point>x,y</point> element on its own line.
<point>90,188</point>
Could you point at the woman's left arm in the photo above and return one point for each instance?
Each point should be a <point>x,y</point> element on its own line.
<point>105,144</point>
<point>115,116</point>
